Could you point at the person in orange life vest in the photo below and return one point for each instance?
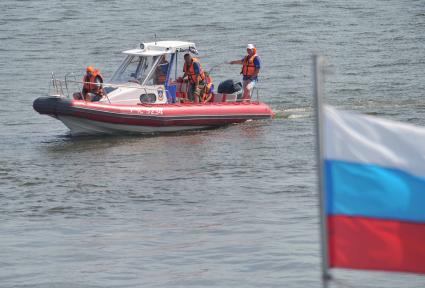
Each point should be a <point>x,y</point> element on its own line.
<point>92,85</point>
<point>208,89</point>
<point>251,65</point>
<point>161,71</point>
<point>193,70</point>
<point>208,93</point>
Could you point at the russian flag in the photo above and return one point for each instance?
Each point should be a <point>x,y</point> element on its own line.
<point>374,185</point>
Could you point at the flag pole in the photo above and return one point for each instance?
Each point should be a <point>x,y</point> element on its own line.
<point>318,87</point>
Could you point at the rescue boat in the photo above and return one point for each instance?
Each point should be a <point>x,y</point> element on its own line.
<point>138,99</point>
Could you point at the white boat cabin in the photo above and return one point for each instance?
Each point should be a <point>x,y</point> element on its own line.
<point>148,74</point>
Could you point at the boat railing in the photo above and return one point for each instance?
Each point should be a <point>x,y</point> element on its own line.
<point>61,88</point>
<point>57,86</point>
<point>66,87</point>
<point>255,96</point>
<point>71,83</point>
<point>255,91</point>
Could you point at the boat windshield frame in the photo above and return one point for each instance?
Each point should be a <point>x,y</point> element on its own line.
<point>143,70</point>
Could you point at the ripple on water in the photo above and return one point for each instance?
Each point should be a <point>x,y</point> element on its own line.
<point>229,207</point>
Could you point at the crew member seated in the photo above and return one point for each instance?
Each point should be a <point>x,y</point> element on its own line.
<point>207,93</point>
<point>92,85</point>
<point>207,90</point>
<point>161,71</point>
<point>193,70</point>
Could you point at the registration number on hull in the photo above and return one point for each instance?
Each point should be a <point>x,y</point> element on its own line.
<point>148,111</point>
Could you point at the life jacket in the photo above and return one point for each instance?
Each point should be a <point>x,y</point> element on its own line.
<point>190,71</point>
<point>207,91</point>
<point>248,66</point>
<point>161,75</point>
<point>208,78</point>
<point>90,81</point>
<point>161,78</point>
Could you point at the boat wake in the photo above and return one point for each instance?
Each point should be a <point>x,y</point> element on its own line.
<point>293,113</point>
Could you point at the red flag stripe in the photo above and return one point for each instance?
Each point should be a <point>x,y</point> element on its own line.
<point>368,243</point>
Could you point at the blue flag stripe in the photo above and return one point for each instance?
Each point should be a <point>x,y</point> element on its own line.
<point>373,191</point>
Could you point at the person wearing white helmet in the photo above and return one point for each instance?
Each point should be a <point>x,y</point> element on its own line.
<point>251,65</point>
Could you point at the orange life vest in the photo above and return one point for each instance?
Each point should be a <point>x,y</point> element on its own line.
<point>90,82</point>
<point>160,75</point>
<point>160,78</point>
<point>208,79</point>
<point>190,71</point>
<point>248,66</point>
<point>207,91</point>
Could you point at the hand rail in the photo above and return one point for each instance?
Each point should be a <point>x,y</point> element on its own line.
<point>256,89</point>
<point>59,90</point>
<point>58,85</point>
<point>113,85</point>
<point>70,74</point>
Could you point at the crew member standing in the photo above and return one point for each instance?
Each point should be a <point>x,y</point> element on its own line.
<point>193,70</point>
<point>92,85</point>
<point>251,65</point>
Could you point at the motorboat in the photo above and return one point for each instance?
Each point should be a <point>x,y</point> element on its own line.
<point>137,100</point>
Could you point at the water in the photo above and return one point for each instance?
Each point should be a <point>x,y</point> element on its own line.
<point>231,207</point>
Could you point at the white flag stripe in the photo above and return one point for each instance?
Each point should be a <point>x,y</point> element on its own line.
<point>365,139</point>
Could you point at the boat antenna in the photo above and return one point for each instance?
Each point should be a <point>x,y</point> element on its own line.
<point>155,38</point>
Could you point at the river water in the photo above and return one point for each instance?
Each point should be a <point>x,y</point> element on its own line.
<point>231,207</point>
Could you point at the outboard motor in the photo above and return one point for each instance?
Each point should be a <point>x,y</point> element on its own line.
<point>229,87</point>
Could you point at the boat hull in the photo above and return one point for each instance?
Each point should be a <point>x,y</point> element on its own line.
<point>92,118</point>
<point>81,126</point>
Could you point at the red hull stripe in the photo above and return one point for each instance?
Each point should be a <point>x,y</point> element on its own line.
<point>162,120</point>
<point>168,117</point>
<point>372,244</point>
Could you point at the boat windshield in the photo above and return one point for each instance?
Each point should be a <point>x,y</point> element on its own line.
<point>135,69</point>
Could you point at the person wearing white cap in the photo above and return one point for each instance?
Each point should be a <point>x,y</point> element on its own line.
<point>251,65</point>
